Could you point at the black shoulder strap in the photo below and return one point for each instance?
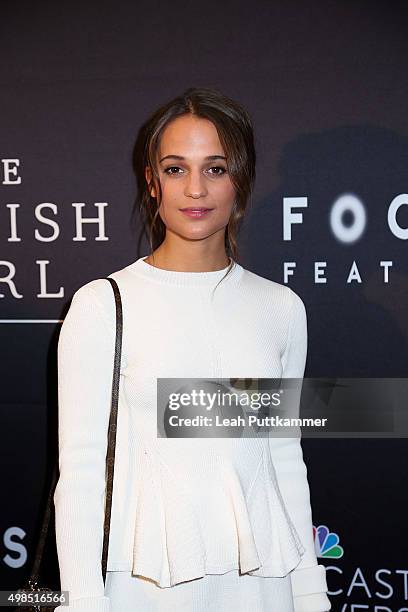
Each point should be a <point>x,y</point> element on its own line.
<point>110,455</point>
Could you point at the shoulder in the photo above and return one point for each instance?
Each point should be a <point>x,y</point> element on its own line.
<point>275,294</point>
<point>98,293</point>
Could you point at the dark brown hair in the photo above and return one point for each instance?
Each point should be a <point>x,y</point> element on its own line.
<point>235,131</point>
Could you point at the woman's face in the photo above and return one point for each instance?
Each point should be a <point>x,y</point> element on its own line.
<point>190,179</point>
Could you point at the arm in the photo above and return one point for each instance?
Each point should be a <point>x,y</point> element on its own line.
<point>85,367</point>
<point>308,578</point>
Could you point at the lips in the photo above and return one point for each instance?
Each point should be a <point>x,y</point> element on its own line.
<point>197,212</point>
<point>195,209</point>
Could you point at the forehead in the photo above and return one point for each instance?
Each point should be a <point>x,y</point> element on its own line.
<point>190,136</point>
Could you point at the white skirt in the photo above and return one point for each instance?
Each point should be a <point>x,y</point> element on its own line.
<point>211,593</point>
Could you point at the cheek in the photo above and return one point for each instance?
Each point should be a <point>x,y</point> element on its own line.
<point>225,196</point>
<point>169,187</point>
<point>171,193</point>
<point>224,189</point>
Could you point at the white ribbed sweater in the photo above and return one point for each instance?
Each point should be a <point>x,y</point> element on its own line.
<point>181,508</point>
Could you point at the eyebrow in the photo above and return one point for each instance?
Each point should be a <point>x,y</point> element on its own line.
<point>209,157</point>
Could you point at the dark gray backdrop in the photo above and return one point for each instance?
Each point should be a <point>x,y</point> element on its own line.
<point>326,84</point>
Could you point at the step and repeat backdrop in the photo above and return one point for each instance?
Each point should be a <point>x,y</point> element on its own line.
<point>326,85</point>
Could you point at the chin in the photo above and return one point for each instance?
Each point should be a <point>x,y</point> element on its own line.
<point>194,233</point>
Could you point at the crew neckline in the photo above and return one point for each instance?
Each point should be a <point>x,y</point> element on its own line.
<point>146,270</point>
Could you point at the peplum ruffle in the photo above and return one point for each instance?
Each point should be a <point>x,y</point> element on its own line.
<point>250,531</point>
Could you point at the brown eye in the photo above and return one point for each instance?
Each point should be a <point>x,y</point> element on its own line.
<point>223,170</point>
<point>166,171</point>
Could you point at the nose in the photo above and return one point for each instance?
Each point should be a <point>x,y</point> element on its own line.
<point>194,186</point>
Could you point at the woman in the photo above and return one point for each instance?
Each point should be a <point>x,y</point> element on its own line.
<point>197,523</point>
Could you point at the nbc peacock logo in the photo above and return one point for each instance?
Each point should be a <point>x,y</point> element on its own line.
<point>326,543</point>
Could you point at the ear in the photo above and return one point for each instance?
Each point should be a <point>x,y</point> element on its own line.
<point>148,176</point>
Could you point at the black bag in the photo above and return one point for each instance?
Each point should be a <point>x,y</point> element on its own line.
<point>32,588</point>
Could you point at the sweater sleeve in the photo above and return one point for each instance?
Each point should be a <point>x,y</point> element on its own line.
<point>85,369</point>
<point>308,579</point>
